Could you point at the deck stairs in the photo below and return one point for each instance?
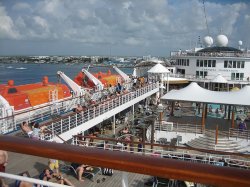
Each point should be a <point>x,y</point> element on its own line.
<point>208,142</point>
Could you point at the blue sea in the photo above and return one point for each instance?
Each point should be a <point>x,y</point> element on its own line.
<point>32,73</point>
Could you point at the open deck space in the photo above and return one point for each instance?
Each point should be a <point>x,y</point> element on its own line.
<point>35,165</point>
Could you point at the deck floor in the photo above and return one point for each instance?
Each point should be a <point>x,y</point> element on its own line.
<point>19,163</point>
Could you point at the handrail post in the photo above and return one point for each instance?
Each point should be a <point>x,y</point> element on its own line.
<point>69,122</point>
<point>61,125</point>
<point>216,135</point>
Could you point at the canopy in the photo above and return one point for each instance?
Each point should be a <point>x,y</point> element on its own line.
<point>194,93</point>
<point>219,79</point>
<point>159,68</point>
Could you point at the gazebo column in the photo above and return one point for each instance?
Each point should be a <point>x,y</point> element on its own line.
<point>203,118</point>
<point>205,110</point>
<point>225,112</point>
<point>229,112</point>
<point>233,118</point>
<point>172,108</point>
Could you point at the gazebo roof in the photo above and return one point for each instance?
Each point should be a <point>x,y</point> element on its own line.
<point>158,68</point>
<point>194,93</point>
<point>219,79</point>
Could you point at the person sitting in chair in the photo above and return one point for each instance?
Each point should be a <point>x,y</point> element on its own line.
<point>79,108</point>
<point>80,168</point>
<point>26,129</point>
<point>118,88</point>
<point>48,174</point>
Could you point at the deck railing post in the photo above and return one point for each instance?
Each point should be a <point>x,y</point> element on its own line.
<point>69,122</point>
<point>247,135</point>
<point>52,128</point>
<point>216,135</point>
<point>88,112</point>
<point>61,122</point>
<point>76,120</point>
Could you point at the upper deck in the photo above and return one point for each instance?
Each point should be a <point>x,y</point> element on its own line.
<point>224,54</point>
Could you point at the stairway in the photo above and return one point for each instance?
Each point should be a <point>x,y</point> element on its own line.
<point>208,142</point>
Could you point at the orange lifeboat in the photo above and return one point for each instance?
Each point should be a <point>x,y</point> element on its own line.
<point>30,95</point>
<point>106,78</point>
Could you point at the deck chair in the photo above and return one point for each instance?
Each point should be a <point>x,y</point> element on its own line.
<point>66,167</point>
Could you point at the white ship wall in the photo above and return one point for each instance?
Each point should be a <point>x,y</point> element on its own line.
<point>214,71</point>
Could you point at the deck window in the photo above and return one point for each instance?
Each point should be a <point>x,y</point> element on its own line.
<point>232,76</point>
<point>209,63</point>
<point>205,63</point>
<point>225,63</point>
<point>241,76</point>
<point>214,63</point>
<point>197,63</point>
<point>201,63</point>
<point>242,64</point>
<point>237,76</point>
<point>234,64</point>
<point>238,64</point>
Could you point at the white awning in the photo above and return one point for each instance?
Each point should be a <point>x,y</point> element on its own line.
<point>194,93</point>
<point>159,68</point>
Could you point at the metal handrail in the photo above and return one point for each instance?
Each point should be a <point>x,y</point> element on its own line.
<point>161,152</point>
<point>155,166</point>
<point>73,120</point>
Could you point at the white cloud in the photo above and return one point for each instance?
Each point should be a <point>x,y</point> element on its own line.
<point>6,26</point>
<point>21,6</point>
<point>132,41</point>
<point>172,24</point>
<point>42,23</point>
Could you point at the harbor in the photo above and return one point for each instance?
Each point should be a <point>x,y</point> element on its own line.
<point>125,93</point>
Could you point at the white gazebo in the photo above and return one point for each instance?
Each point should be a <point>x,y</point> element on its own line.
<point>194,93</point>
<point>161,70</point>
<point>220,80</point>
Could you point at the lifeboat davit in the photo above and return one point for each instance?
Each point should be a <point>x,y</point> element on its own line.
<point>30,95</point>
<point>106,78</point>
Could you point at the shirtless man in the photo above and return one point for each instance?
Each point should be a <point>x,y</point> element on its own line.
<point>3,160</point>
<point>26,128</point>
<point>3,164</point>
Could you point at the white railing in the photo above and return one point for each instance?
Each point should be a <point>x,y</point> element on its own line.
<point>209,54</point>
<point>30,180</point>
<point>11,123</point>
<point>178,127</point>
<point>197,129</point>
<point>65,124</point>
<point>186,155</point>
<point>237,133</point>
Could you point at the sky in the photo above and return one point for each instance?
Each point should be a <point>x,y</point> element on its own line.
<point>118,27</point>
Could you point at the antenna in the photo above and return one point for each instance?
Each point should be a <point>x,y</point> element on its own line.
<point>204,9</point>
<point>199,41</point>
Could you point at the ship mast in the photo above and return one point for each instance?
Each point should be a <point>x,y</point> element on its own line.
<point>204,10</point>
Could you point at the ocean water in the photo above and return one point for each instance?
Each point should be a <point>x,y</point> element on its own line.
<point>32,73</point>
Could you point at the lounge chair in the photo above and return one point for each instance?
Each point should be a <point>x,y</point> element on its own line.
<point>157,182</point>
<point>90,174</point>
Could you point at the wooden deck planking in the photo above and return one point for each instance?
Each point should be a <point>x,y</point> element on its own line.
<point>35,165</point>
